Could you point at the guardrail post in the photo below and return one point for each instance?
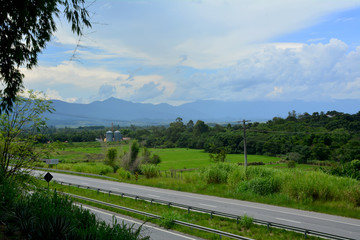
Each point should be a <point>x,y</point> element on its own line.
<point>122,195</point>
<point>211,214</point>
<point>98,190</point>
<point>237,220</point>
<point>136,197</point>
<point>109,193</point>
<point>78,186</point>
<point>151,201</point>
<point>169,204</point>
<point>268,226</point>
<point>189,209</point>
<point>305,234</point>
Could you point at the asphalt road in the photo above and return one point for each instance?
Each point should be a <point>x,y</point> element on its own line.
<point>341,226</point>
<point>147,229</point>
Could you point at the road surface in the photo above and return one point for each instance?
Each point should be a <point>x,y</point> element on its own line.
<point>341,226</point>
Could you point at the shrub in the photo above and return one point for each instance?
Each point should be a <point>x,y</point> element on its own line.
<point>246,221</point>
<point>111,155</point>
<point>167,219</point>
<point>291,164</point>
<point>150,170</point>
<point>311,185</point>
<point>263,186</point>
<point>124,174</point>
<point>236,175</point>
<point>218,173</point>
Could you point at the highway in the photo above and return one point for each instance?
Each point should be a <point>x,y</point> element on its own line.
<point>148,229</point>
<point>341,226</point>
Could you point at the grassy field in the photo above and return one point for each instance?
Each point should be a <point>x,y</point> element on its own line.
<point>171,158</point>
<point>183,158</point>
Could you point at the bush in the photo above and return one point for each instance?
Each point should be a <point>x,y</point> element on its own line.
<point>57,218</point>
<point>167,219</point>
<point>111,155</point>
<point>237,175</point>
<point>291,164</point>
<point>124,174</point>
<point>218,173</point>
<point>263,186</point>
<point>246,221</point>
<point>150,170</point>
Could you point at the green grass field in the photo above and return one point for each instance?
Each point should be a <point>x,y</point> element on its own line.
<point>171,158</point>
<point>183,158</point>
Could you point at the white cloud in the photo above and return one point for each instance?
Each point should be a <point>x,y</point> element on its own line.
<point>72,79</point>
<point>315,71</point>
<point>211,34</point>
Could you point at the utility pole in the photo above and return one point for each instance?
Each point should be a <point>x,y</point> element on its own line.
<point>245,153</point>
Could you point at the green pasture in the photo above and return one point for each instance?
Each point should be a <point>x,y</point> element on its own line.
<point>183,158</point>
<point>171,158</point>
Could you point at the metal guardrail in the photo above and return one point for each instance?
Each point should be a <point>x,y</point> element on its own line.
<point>194,226</point>
<point>212,213</point>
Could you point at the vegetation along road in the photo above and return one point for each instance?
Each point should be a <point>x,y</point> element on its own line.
<point>336,225</point>
<point>147,228</point>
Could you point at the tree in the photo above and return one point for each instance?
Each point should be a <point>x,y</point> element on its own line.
<point>18,132</point>
<point>111,155</point>
<point>25,28</point>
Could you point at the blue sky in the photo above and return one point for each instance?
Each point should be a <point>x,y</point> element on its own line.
<point>186,50</point>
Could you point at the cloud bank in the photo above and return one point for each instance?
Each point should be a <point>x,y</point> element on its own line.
<point>304,71</point>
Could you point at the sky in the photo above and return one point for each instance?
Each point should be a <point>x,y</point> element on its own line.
<point>181,51</point>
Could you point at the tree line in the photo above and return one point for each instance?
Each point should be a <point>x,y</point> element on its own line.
<point>301,137</point>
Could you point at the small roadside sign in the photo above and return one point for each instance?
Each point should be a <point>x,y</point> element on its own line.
<point>48,177</point>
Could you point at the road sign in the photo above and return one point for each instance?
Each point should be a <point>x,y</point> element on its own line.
<point>51,161</point>
<point>48,177</point>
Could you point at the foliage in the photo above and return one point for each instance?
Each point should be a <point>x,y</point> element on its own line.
<point>262,185</point>
<point>57,218</point>
<point>130,160</point>
<point>96,168</point>
<point>246,221</point>
<point>217,173</point>
<point>291,164</point>
<point>17,132</point>
<point>217,154</point>
<point>124,174</point>
<point>350,169</point>
<point>26,27</point>
<point>150,170</point>
<point>167,219</point>
<point>111,155</point>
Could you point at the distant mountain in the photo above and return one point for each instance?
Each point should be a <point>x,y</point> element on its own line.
<point>125,113</point>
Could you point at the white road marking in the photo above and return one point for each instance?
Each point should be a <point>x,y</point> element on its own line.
<point>150,195</point>
<point>159,229</point>
<point>287,220</point>
<point>207,205</point>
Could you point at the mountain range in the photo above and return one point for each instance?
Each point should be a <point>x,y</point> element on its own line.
<point>125,113</point>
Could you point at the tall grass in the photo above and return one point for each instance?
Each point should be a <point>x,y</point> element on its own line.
<point>150,170</point>
<point>297,184</point>
<point>96,168</point>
